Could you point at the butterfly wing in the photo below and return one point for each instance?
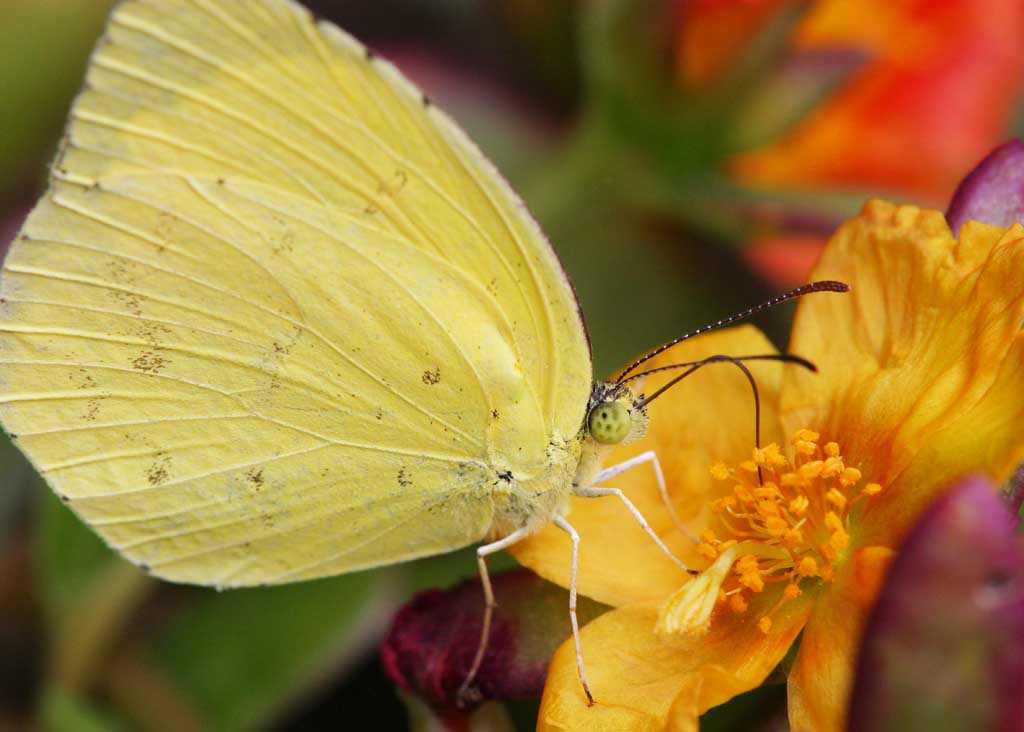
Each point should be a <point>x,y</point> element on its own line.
<point>276,317</point>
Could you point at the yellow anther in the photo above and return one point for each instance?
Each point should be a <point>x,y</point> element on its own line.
<point>828,553</point>
<point>850,476</point>
<point>749,573</point>
<point>808,567</point>
<point>798,506</point>
<point>769,456</point>
<point>768,490</point>
<point>768,508</point>
<point>812,469</point>
<point>719,471</point>
<point>839,541</point>
<point>776,526</point>
<point>793,480</point>
<point>765,625</point>
<point>746,563</point>
<point>872,489</point>
<point>749,465</point>
<point>833,522</point>
<point>805,435</point>
<point>805,448</point>
<point>832,449</point>
<point>707,551</point>
<point>709,535</point>
<point>738,603</point>
<point>793,538</point>
<point>792,591</point>
<point>753,581</point>
<point>837,498</point>
<point>833,466</point>
<point>743,493</point>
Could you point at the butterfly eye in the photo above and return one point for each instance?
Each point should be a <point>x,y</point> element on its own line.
<point>609,423</point>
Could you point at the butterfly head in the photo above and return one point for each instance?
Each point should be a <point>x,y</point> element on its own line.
<point>615,414</point>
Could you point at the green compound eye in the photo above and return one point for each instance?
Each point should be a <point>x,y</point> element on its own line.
<point>609,423</point>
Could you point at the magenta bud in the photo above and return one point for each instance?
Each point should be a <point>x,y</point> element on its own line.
<point>993,192</point>
<point>433,639</point>
<point>943,649</point>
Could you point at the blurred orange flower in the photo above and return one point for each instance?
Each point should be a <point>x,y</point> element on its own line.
<point>943,82</point>
<point>919,381</point>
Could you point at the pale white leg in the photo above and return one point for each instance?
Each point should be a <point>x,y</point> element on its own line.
<point>601,492</point>
<point>647,457</point>
<point>489,603</point>
<point>565,526</point>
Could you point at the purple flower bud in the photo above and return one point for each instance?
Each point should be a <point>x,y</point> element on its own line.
<point>434,638</point>
<point>993,192</point>
<point>944,647</point>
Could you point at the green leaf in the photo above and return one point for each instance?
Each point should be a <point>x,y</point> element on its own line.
<point>240,656</point>
<point>69,557</point>
<point>43,50</point>
<point>62,712</point>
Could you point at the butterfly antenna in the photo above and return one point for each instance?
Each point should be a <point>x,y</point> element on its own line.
<point>819,286</point>
<point>738,363</point>
<point>783,357</point>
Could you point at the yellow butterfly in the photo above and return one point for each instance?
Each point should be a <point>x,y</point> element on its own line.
<point>277,318</point>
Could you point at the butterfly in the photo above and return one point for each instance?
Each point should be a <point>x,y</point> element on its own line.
<point>277,318</point>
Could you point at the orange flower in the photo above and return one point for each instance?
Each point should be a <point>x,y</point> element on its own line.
<point>919,381</point>
<point>939,92</point>
<point>943,83</point>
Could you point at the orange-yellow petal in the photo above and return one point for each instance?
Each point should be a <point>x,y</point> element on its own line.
<point>931,326</point>
<point>822,676</point>
<point>704,419</point>
<point>646,682</point>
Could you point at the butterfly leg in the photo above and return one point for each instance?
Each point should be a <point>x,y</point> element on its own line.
<point>595,492</point>
<point>489,604</point>
<point>565,526</point>
<point>650,457</point>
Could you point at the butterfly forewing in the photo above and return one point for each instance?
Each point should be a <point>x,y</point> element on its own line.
<point>276,317</point>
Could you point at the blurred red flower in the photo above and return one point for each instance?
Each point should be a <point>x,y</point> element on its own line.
<point>939,92</point>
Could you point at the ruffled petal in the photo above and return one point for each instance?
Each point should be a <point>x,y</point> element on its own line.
<point>822,676</point>
<point>987,438</point>
<point>926,343</point>
<point>706,418</point>
<point>644,681</point>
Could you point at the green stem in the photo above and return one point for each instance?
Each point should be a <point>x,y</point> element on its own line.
<point>83,640</point>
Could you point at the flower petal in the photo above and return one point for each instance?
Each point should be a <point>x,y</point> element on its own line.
<point>993,192</point>
<point>944,645</point>
<point>706,418</point>
<point>820,682</point>
<point>891,128</point>
<point>923,351</point>
<point>644,681</point>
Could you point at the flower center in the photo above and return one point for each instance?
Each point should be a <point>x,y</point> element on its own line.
<point>785,522</point>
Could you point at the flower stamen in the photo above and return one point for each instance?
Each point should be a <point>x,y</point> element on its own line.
<point>784,523</point>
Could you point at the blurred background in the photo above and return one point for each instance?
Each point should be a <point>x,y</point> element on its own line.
<point>687,158</point>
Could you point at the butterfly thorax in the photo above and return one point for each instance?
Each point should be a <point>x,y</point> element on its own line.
<point>614,415</point>
<point>533,498</point>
